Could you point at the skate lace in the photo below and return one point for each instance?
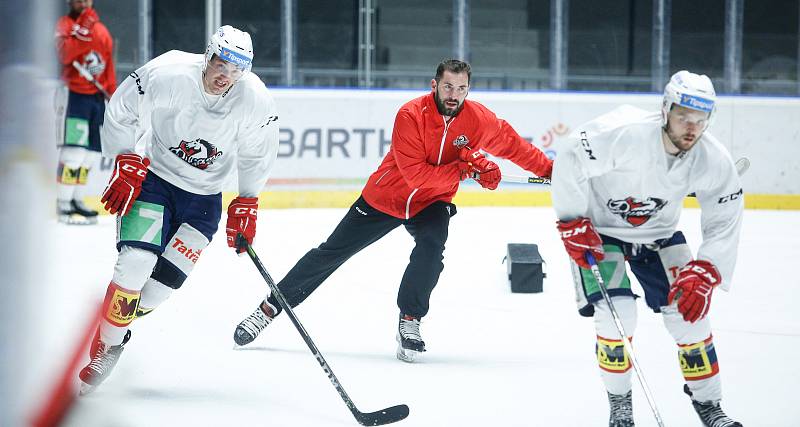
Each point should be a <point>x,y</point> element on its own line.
<point>409,329</point>
<point>621,408</point>
<point>103,360</point>
<point>255,322</point>
<point>713,416</point>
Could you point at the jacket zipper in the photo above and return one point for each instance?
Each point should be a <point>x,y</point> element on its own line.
<point>438,162</point>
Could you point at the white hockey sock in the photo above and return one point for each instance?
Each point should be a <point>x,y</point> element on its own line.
<point>153,294</point>
<point>110,334</point>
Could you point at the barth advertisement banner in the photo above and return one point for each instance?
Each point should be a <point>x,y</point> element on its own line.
<point>336,138</point>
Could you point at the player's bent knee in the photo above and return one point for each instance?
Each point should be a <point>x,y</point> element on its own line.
<point>180,256</point>
<point>134,266</point>
<point>168,274</point>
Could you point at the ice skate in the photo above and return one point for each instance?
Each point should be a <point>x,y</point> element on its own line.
<point>68,214</point>
<point>409,341</point>
<point>711,413</point>
<point>104,358</point>
<point>81,208</point>
<point>249,328</point>
<point>620,409</point>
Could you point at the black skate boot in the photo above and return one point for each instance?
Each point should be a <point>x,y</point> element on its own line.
<point>621,410</point>
<point>104,358</point>
<point>409,340</point>
<point>81,208</point>
<point>68,214</point>
<point>710,413</point>
<point>249,328</point>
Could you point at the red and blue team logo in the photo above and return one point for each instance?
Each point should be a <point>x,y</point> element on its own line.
<point>635,211</point>
<point>198,153</point>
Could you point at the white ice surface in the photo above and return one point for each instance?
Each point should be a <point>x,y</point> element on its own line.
<point>494,358</point>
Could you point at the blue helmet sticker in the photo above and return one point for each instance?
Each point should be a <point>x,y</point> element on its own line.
<point>238,59</point>
<point>697,103</point>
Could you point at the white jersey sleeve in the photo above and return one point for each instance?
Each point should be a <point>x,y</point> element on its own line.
<point>719,193</point>
<point>258,144</point>
<point>121,120</point>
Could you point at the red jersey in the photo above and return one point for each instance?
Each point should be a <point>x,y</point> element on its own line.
<point>93,51</point>
<point>421,166</point>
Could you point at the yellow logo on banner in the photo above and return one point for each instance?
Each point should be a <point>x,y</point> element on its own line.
<point>122,307</point>
<point>611,355</point>
<point>694,361</point>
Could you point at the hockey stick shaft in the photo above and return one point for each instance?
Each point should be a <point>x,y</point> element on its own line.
<point>625,341</point>
<point>741,167</point>
<point>90,78</point>
<point>385,416</point>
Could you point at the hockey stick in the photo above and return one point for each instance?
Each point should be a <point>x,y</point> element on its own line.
<point>384,416</point>
<point>90,78</point>
<point>741,167</point>
<point>626,343</point>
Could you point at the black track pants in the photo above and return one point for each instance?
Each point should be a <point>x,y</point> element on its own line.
<point>362,226</point>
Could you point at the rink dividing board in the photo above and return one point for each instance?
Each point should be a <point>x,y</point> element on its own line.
<point>345,198</point>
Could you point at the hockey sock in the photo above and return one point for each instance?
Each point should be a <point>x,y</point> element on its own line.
<point>153,294</point>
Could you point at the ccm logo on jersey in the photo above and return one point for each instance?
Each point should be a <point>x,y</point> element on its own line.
<point>634,211</point>
<point>133,169</point>
<point>586,147</point>
<point>270,119</point>
<point>138,81</point>
<point>729,197</point>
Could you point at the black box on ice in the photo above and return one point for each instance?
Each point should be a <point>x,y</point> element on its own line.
<point>525,268</point>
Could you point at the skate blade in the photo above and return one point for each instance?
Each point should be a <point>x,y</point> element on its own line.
<point>406,355</point>
<point>86,388</point>
<point>77,220</point>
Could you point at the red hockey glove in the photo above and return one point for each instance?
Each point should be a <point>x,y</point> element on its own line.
<point>82,29</point>
<point>580,236</point>
<point>479,168</point>
<point>242,215</point>
<point>125,183</point>
<point>692,289</point>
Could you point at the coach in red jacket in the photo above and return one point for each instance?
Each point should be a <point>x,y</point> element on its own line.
<point>435,144</point>
<point>84,51</point>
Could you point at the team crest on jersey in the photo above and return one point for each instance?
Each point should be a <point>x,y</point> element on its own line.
<point>198,153</point>
<point>461,141</point>
<point>635,211</point>
<point>93,62</point>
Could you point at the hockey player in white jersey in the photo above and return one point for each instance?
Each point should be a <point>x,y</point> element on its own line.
<point>178,127</point>
<point>618,188</point>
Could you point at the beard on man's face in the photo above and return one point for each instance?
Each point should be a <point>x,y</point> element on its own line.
<point>443,108</point>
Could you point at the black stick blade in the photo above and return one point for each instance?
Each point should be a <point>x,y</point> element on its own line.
<point>385,416</point>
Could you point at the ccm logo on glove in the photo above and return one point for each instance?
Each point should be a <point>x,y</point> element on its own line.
<point>693,289</point>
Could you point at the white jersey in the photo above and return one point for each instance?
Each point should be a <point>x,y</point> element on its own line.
<point>615,171</point>
<point>194,140</point>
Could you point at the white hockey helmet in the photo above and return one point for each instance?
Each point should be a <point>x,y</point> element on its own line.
<point>689,90</point>
<point>232,45</point>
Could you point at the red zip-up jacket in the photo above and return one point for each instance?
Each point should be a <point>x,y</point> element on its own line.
<point>421,166</point>
<point>94,54</point>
